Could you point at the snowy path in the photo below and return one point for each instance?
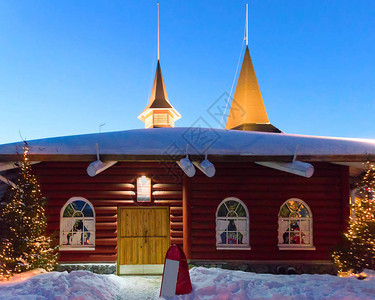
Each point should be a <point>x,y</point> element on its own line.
<point>138,287</point>
<point>208,284</point>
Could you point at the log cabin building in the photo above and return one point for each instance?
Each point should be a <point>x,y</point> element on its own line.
<point>248,195</point>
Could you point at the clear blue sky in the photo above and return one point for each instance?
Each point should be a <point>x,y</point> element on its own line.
<point>68,66</point>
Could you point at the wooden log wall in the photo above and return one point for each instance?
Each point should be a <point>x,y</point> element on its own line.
<point>113,188</point>
<point>264,190</point>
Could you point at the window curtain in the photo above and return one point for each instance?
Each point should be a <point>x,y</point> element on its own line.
<point>66,227</point>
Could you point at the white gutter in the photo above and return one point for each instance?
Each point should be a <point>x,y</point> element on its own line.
<point>5,166</point>
<point>295,167</point>
<point>98,166</point>
<point>7,181</point>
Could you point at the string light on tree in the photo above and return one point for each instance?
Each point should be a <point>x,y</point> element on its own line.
<point>358,251</point>
<point>24,245</point>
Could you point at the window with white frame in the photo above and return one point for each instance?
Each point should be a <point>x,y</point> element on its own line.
<point>77,225</point>
<point>295,226</point>
<point>232,225</point>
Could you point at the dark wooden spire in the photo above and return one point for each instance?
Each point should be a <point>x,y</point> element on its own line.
<point>159,105</point>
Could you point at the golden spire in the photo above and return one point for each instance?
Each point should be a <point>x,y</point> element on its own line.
<point>247,111</point>
<point>247,106</point>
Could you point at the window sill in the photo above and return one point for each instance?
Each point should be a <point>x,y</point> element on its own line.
<point>293,247</point>
<point>233,248</point>
<point>62,248</point>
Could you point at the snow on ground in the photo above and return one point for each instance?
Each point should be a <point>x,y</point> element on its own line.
<point>61,285</point>
<point>208,284</point>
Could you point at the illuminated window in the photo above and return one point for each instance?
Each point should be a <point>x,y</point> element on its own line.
<point>295,226</point>
<point>77,225</point>
<point>143,189</point>
<point>232,225</point>
<point>160,119</point>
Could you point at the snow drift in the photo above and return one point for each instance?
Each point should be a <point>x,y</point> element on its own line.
<point>208,284</point>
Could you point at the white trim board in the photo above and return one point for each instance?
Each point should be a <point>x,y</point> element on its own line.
<point>141,269</point>
<point>295,247</point>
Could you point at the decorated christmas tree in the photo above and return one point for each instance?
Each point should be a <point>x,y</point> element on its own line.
<point>24,244</point>
<point>358,250</point>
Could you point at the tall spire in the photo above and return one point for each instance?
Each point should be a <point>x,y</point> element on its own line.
<point>159,112</point>
<point>247,111</point>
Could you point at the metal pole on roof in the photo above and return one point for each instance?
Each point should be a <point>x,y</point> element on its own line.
<point>247,25</point>
<point>100,127</point>
<point>158,33</point>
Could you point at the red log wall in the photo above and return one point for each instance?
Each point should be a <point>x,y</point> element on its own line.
<point>107,191</point>
<point>264,190</point>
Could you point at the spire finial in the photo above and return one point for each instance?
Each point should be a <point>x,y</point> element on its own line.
<point>247,25</point>
<point>158,33</point>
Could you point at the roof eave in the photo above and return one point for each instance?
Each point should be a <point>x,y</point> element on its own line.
<point>343,159</point>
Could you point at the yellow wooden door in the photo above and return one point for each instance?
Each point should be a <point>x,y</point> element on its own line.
<point>143,235</point>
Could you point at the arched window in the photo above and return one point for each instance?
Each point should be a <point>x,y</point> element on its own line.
<point>77,225</point>
<point>232,225</point>
<point>295,226</point>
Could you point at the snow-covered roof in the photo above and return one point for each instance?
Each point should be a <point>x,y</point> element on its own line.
<point>172,142</point>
